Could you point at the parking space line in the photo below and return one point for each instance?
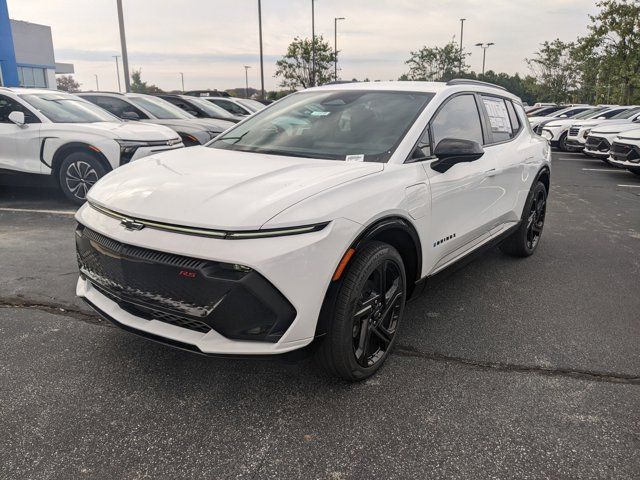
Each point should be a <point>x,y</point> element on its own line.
<point>602,170</point>
<point>629,186</point>
<point>585,159</point>
<point>32,210</point>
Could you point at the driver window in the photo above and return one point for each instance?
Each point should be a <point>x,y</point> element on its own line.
<point>8,105</point>
<point>459,118</point>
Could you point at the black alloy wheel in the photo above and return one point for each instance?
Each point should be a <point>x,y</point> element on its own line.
<point>525,239</point>
<point>535,220</point>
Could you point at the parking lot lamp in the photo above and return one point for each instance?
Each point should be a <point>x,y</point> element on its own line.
<point>461,34</point>
<point>117,71</point>
<point>182,80</point>
<point>313,44</point>
<point>335,47</point>
<point>123,44</point>
<point>261,58</point>
<point>246,80</point>
<point>484,47</point>
<point>97,86</point>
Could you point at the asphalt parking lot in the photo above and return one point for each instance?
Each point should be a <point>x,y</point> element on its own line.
<point>505,369</point>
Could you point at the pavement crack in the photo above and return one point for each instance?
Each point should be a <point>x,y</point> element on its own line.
<point>593,375</point>
<point>53,308</point>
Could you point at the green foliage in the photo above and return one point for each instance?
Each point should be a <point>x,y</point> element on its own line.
<point>138,86</point>
<point>295,68</point>
<point>556,71</point>
<point>67,83</point>
<point>436,63</point>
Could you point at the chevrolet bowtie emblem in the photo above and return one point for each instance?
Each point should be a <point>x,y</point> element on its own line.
<point>131,224</point>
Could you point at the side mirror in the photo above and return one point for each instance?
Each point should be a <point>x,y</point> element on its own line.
<point>451,151</point>
<point>130,115</point>
<point>601,118</point>
<point>192,112</point>
<point>17,118</point>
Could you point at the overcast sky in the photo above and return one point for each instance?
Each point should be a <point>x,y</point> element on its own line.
<point>211,40</point>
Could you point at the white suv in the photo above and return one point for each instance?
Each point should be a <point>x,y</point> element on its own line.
<point>312,221</point>
<point>53,133</point>
<point>625,151</point>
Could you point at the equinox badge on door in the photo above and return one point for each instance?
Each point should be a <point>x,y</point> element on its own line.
<point>131,224</point>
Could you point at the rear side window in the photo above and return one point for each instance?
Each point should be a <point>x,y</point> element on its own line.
<point>499,119</point>
<point>513,116</point>
<point>459,118</point>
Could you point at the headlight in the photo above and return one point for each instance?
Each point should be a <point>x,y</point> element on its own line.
<point>586,132</point>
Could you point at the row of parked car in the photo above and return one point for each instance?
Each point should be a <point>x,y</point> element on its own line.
<point>608,132</point>
<point>79,138</point>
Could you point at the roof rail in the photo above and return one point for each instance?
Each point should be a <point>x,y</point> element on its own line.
<point>468,81</point>
<point>101,91</point>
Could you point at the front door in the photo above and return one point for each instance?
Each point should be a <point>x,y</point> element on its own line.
<point>19,144</point>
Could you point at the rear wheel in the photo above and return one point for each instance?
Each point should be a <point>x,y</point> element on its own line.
<point>367,312</point>
<point>78,173</point>
<point>524,241</point>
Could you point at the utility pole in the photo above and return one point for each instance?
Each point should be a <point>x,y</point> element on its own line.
<point>182,78</point>
<point>117,71</point>
<point>313,44</point>
<point>97,86</point>
<point>461,34</point>
<point>246,81</point>
<point>123,43</point>
<point>261,57</point>
<point>484,47</point>
<point>335,47</point>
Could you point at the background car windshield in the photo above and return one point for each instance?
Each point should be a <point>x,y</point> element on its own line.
<point>159,108</point>
<point>253,105</point>
<point>627,113</point>
<point>60,108</point>
<point>330,124</point>
<point>210,108</point>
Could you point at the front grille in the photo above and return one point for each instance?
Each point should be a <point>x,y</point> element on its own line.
<point>598,143</point>
<point>197,294</point>
<point>625,153</point>
<point>573,131</point>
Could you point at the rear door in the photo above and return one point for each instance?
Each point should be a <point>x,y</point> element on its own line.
<point>19,145</point>
<point>462,197</point>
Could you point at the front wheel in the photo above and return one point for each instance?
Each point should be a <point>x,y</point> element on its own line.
<point>524,241</point>
<point>367,312</point>
<point>78,173</point>
<point>562,143</point>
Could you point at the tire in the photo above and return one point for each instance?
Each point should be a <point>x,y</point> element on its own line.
<point>78,172</point>
<point>524,241</point>
<point>361,334</point>
<point>562,143</point>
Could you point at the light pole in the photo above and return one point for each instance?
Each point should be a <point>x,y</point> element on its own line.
<point>261,58</point>
<point>461,33</point>
<point>97,86</point>
<point>335,47</point>
<point>313,44</point>
<point>123,43</point>
<point>246,80</point>
<point>117,71</point>
<point>484,47</point>
<point>182,79</point>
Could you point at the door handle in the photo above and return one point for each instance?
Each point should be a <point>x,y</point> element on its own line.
<point>493,172</point>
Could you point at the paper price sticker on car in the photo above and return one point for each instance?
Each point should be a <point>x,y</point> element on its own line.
<point>354,158</point>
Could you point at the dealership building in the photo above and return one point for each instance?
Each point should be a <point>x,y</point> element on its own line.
<point>26,54</point>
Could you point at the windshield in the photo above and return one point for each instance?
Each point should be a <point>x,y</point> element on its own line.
<point>159,108</point>
<point>252,105</point>
<point>61,108</point>
<point>210,108</point>
<point>570,112</point>
<point>329,124</point>
<point>627,113</point>
<point>589,113</point>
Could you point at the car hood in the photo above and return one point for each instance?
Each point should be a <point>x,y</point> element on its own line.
<point>632,134</point>
<point>619,127</point>
<point>188,124</point>
<point>127,130</point>
<point>219,189</point>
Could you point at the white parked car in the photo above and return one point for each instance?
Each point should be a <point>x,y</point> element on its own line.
<point>625,151</point>
<point>557,131</point>
<point>577,135</point>
<point>272,239</point>
<point>48,132</point>
<point>600,138</point>
<point>537,122</point>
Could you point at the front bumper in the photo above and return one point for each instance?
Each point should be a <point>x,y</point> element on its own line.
<point>271,309</point>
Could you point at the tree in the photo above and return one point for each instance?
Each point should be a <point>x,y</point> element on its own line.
<point>138,86</point>
<point>609,56</point>
<point>437,63</point>
<point>556,70</point>
<point>67,83</point>
<point>294,69</point>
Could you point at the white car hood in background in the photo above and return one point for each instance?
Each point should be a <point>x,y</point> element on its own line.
<point>632,134</point>
<point>608,128</point>
<point>127,130</point>
<point>219,189</point>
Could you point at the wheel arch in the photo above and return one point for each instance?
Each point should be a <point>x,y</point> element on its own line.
<point>544,176</point>
<point>393,230</point>
<point>72,147</point>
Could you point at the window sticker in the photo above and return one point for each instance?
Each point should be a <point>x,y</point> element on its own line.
<point>317,113</point>
<point>355,158</point>
<point>498,115</point>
